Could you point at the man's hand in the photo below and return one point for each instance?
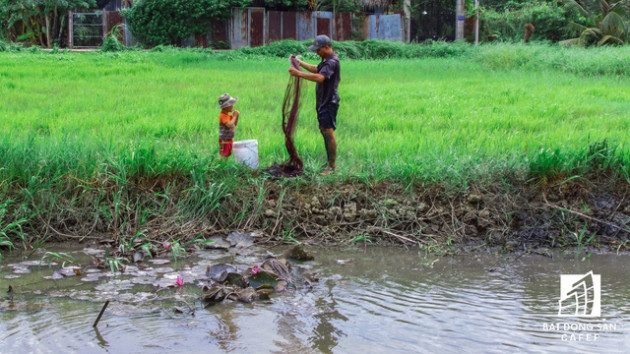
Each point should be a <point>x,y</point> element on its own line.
<point>294,72</point>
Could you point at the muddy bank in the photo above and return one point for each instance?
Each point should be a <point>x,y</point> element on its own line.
<point>511,216</point>
<point>560,214</point>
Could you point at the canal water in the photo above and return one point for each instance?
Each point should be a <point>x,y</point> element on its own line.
<point>366,300</point>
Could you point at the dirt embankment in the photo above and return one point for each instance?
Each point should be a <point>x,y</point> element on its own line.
<point>514,218</point>
<point>561,214</point>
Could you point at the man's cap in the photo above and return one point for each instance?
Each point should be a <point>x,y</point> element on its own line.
<point>320,41</point>
<point>226,100</point>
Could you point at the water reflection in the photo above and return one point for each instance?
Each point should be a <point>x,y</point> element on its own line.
<point>376,300</point>
<point>99,338</point>
<point>325,335</point>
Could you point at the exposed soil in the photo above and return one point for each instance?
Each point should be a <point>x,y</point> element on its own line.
<point>557,214</point>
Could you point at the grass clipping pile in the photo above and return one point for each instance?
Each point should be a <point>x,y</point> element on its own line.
<point>290,108</point>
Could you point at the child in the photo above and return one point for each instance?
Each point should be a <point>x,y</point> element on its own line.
<point>227,124</point>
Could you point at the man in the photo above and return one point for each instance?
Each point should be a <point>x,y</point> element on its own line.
<point>327,75</point>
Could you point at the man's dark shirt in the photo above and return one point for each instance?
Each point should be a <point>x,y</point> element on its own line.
<point>326,92</point>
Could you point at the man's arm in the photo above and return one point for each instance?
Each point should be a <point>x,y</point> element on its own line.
<point>308,67</point>
<point>310,77</point>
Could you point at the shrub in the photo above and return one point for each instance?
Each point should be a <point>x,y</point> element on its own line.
<point>111,44</point>
<point>371,49</point>
<point>549,20</point>
<point>280,49</point>
<point>170,22</point>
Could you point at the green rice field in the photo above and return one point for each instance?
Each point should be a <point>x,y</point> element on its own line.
<point>429,119</point>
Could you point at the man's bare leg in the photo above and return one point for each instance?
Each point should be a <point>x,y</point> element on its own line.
<point>331,148</point>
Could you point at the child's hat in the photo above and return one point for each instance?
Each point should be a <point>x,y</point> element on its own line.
<point>226,100</point>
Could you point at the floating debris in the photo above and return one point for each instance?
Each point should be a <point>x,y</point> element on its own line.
<point>246,295</point>
<point>343,261</point>
<point>10,293</point>
<point>297,253</point>
<point>159,261</point>
<point>214,293</point>
<point>278,268</point>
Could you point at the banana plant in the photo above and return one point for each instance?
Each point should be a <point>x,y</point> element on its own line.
<point>603,22</point>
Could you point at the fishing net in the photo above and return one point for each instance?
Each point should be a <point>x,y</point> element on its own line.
<point>290,107</point>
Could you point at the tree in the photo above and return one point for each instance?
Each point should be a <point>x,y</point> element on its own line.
<point>40,22</point>
<point>600,22</point>
<point>170,22</point>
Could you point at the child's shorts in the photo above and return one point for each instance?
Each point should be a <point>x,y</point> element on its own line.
<point>225,147</point>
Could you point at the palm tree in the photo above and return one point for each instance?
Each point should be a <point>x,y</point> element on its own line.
<point>607,23</point>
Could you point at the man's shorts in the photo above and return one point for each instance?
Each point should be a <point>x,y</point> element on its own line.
<point>327,117</point>
<point>225,147</point>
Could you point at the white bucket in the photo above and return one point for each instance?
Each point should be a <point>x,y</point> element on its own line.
<point>246,151</point>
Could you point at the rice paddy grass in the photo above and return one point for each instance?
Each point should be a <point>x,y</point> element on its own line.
<point>153,114</point>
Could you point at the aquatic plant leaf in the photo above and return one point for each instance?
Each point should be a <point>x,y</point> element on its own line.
<point>277,268</point>
<point>262,278</point>
<point>236,280</point>
<point>264,292</point>
<point>219,272</point>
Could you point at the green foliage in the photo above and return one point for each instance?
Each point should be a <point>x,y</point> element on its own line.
<point>204,198</point>
<point>599,22</point>
<point>287,5</point>
<point>115,263</point>
<point>64,258</point>
<point>111,43</point>
<point>370,49</point>
<point>25,20</point>
<point>9,229</point>
<point>127,161</point>
<point>508,24</point>
<point>280,49</point>
<point>170,22</point>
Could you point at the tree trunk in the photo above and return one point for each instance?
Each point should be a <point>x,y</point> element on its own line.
<point>55,26</point>
<point>48,31</point>
<point>62,23</point>
<point>40,34</point>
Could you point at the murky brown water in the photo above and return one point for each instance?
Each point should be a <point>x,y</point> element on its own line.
<point>366,301</point>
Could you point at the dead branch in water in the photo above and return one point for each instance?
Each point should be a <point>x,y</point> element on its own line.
<point>101,314</point>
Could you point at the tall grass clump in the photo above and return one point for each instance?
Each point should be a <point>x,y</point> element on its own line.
<point>541,56</point>
<point>369,49</point>
<point>111,44</point>
<point>10,47</point>
<point>281,49</point>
